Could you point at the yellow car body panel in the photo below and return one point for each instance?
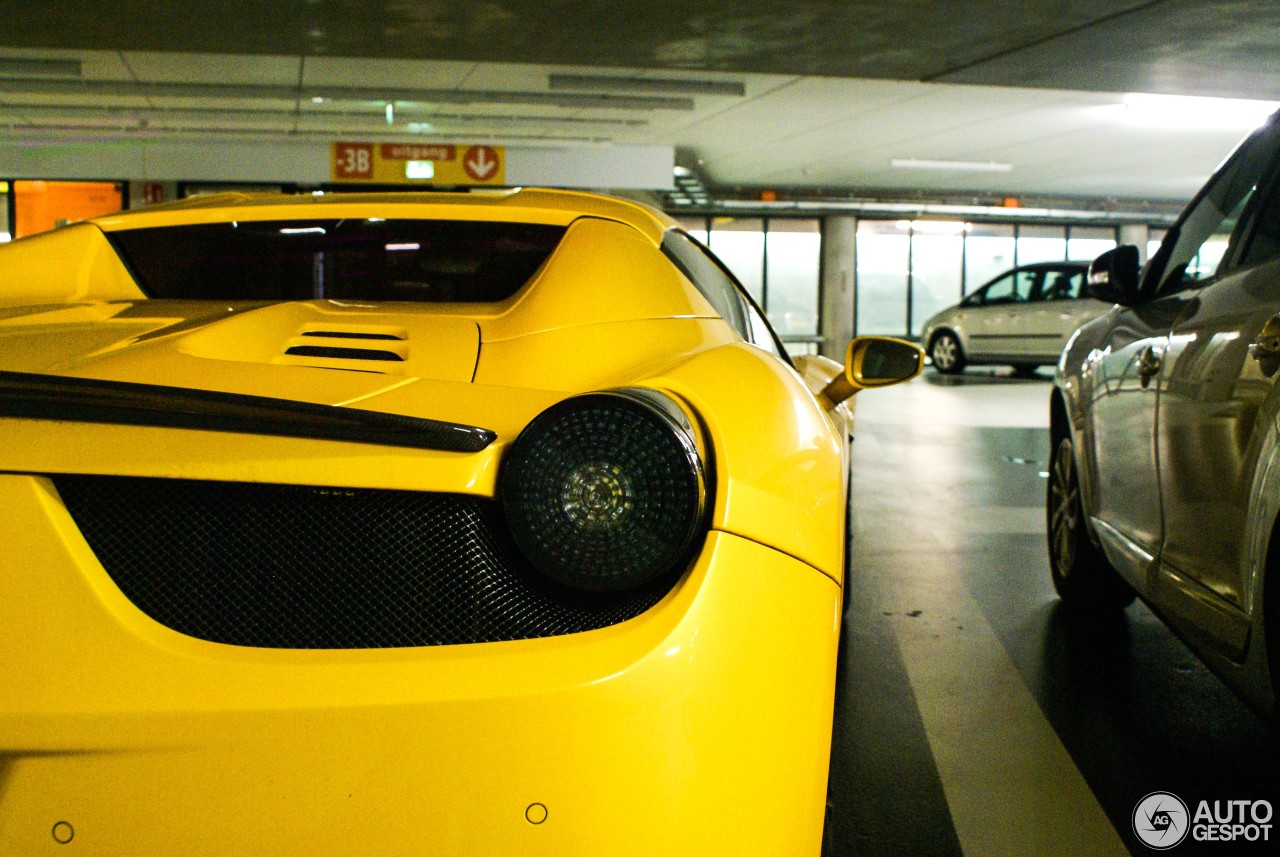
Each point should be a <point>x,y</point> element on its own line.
<point>788,495</point>
<point>677,732</point>
<point>534,205</point>
<point>71,264</point>
<point>604,261</point>
<point>701,725</point>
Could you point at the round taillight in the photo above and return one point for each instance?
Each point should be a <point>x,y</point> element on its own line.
<point>605,492</point>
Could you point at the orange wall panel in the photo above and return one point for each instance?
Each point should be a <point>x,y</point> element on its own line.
<point>43,205</point>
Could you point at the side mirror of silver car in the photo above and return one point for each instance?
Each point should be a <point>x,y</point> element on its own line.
<point>1114,276</point>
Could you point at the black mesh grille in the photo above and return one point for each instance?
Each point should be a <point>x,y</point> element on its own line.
<point>296,567</point>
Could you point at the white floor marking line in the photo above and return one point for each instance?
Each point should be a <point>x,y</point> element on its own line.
<point>1011,786</point>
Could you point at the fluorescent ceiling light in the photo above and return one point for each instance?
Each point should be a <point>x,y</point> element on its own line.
<point>687,187</point>
<point>953,166</point>
<point>1191,111</point>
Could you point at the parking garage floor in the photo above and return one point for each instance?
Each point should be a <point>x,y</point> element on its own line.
<point>974,716</point>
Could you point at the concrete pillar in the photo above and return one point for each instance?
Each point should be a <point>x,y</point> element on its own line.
<point>839,233</point>
<point>1137,234</point>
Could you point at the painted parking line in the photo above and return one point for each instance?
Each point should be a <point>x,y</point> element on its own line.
<point>1011,786</point>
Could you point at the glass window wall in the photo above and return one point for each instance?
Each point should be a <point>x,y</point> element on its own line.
<point>905,271</point>
<point>739,243</point>
<point>1038,243</point>
<point>882,271</point>
<point>778,261</point>
<point>793,250</point>
<point>937,268</point>
<point>988,253</point>
<point>1086,243</point>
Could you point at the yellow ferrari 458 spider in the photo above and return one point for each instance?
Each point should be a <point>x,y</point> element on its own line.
<point>448,524</point>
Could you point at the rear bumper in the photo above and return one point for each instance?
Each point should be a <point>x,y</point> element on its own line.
<point>700,727</point>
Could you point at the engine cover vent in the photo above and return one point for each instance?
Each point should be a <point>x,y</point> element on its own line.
<point>352,334</point>
<point>340,353</point>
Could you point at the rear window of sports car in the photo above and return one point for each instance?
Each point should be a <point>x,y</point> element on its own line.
<point>376,260</point>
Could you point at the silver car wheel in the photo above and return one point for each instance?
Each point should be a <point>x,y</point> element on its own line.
<point>1064,505</point>
<point>946,353</point>
<point>1081,574</point>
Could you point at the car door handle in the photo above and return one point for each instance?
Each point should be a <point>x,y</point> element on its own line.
<point>1149,362</point>
<point>1264,347</point>
<point>1266,350</point>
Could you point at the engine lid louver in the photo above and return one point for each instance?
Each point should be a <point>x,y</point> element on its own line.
<point>411,341</point>
<point>340,353</point>
<point>358,350</point>
<point>352,334</point>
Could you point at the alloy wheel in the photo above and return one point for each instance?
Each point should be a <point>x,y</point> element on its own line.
<point>945,352</point>
<point>1064,506</point>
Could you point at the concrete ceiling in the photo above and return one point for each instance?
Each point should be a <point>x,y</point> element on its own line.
<point>812,98</point>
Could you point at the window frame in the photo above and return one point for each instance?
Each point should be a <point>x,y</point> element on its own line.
<point>1157,280</point>
<point>752,315</point>
<point>1071,274</point>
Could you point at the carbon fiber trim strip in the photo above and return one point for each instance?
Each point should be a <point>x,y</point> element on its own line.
<point>55,397</point>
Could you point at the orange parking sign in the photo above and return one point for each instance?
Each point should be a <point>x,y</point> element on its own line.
<point>352,160</point>
<point>440,164</point>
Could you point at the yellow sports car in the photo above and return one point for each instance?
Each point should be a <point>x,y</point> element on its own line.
<point>448,524</point>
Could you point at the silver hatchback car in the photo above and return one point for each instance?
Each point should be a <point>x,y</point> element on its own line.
<point>1165,430</point>
<point>1021,318</point>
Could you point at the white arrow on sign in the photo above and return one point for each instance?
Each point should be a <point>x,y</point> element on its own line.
<point>481,161</point>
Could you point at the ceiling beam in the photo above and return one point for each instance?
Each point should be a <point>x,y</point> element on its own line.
<point>382,95</point>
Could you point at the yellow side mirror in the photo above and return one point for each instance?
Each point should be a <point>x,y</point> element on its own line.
<point>874,361</point>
